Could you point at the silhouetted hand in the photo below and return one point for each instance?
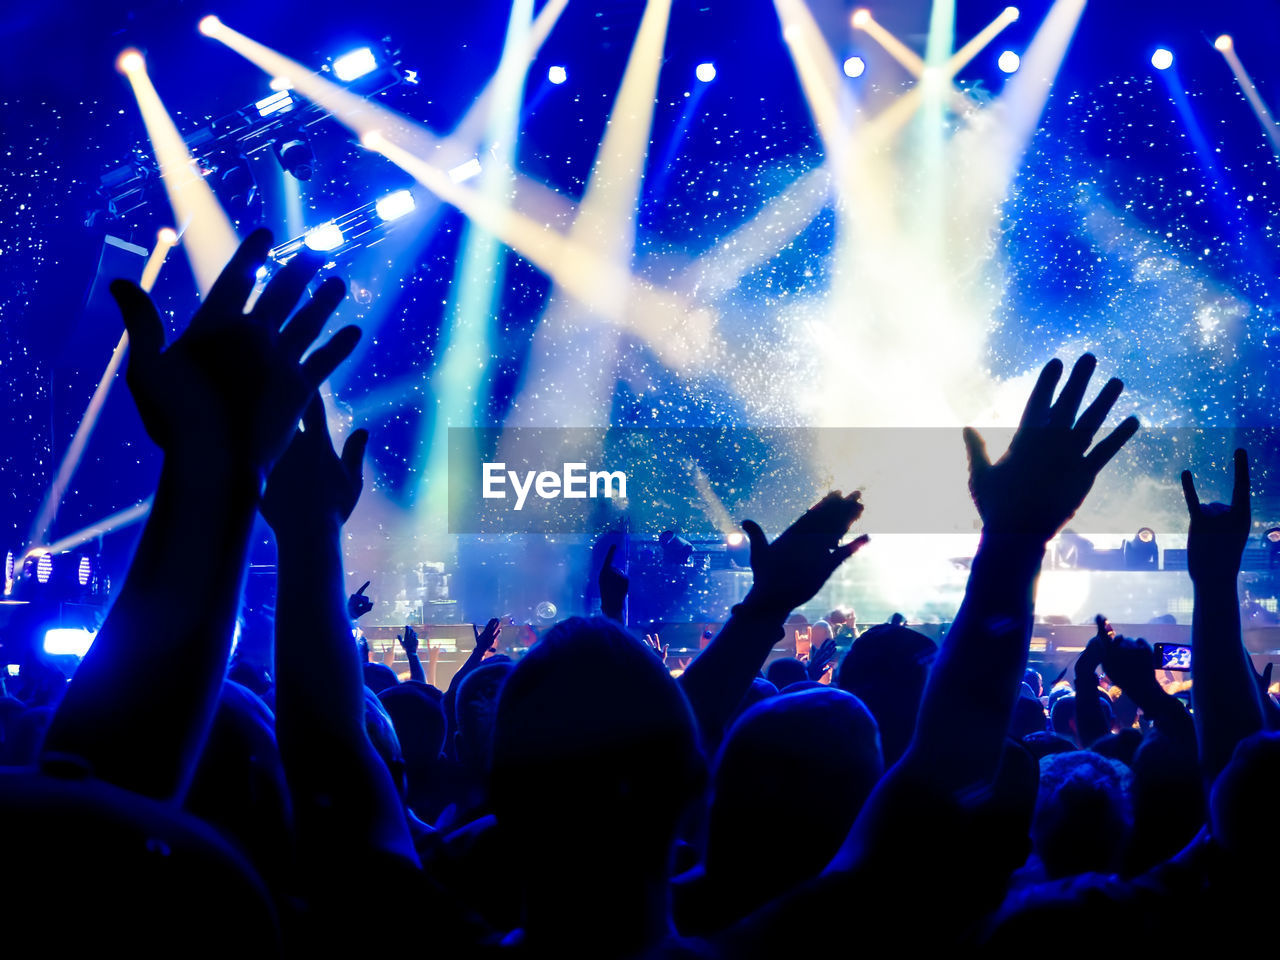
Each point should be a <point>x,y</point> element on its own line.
<point>409,641</point>
<point>654,643</point>
<point>1130,663</point>
<point>358,604</point>
<point>489,636</point>
<point>311,485</point>
<point>613,584</point>
<point>1219,533</point>
<point>233,382</point>
<point>1044,476</point>
<point>790,571</point>
<point>362,644</point>
<point>1091,656</point>
<point>820,659</point>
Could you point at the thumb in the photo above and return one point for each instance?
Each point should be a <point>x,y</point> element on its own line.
<point>759,542</point>
<point>976,448</point>
<point>141,320</point>
<point>353,456</point>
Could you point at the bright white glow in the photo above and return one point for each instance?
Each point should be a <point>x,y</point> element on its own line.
<point>735,539</point>
<point>279,102</point>
<point>465,171</point>
<point>130,61</point>
<point>263,272</point>
<point>354,65</point>
<point>395,205</point>
<point>1223,43</point>
<point>861,17</point>
<point>281,83</point>
<point>168,236</point>
<point>1162,59</point>
<point>209,25</point>
<point>557,75</point>
<point>327,236</point>
<point>1009,62</point>
<point>68,641</point>
<point>83,571</point>
<point>706,72</point>
<point>1013,13</point>
<point>44,568</point>
<point>855,67</point>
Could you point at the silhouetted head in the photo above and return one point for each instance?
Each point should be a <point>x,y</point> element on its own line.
<point>379,677</point>
<point>1028,714</point>
<point>1062,717</point>
<point>785,671</point>
<point>817,751</point>
<point>1031,677</point>
<point>1046,744</point>
<point>1083,815</point>
<point>820,633</point>
<point>886,668</point>
<point>418,717</point>
<point>476,706</point>
<point>1244,796</point>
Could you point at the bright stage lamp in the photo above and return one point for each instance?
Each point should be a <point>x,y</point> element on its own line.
<point>327,236</point>
<point>855,67</point>
<point>465,170</point>
<point>1009,62</point>
<point>68,641</point>
<point>395,205</point>
<point>354,65</point>
<point>706,72</point>
<point>1162,59</point>
<point>44,568</point>
<point>167,236</point>
<point>130,61</point>
<point>1223,43</point>
<point>557,75</point>
<point>861,18</point>
<point>1013,13</point>
<point>209,25</point>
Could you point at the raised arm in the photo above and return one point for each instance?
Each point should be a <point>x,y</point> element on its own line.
<point>786,574</point>
<point>1091,722</point>
<point>409,643</point>
<point>221,402</point>
<point>613,585</point>
<point>1225,692</point>
<point>346,804</point>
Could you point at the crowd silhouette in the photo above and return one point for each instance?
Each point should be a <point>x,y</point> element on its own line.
<point>583,801</point>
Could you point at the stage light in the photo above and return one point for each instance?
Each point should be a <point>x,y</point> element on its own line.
<point>1162,59</point>
<point>84,571</point>
<point>545,611</point>
<point>855,67</point>
<point>354,65</point>
<point>1271,540</point>
<point>167,236</point>
<point>735,539</point>
<point>1142,551</point>
<point>8,565</point>
<point>44,568</point>
<point>395,205</point>
<point>465,171</point>
<point>327,236</point>
<point>280,83</point>
<point>1223,43</point>
<point>295,156</point>
<point>130,61</point>
<point>1009,62</point>
<point>279,102</point>
<point>1012,13</point>
<point>861,18</point>
<point>68,641</point>
<point>209,25</point>
<point>706,72</point>
<point>557,75</point>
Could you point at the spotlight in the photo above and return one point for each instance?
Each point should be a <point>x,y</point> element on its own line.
<point>327,236</point>
<point>280,83</point>
<point>861,18</point>
<point>557,75</point>
<point>68,641</point>
<point>394,205</point>
<point>1142,551</point>
<point>278,102</point>
<point>545,611</point>
<point>465,171</point>
<point>233,182</point>
<point>1271,540</point>
<point>1013,13</point>
<point>1162,59</point>
<point>372,140</point>
<point>167,236</point>
<point>130,61</point>
<point>44,568</point>
<point>84,571</point>
<point>209,25</point>
<point>676,550</point>
<point>706,72</point>
<point>354,65</point>
<point>738,549</point>
<point>855,67</point>
<point>8,565</point>
<point>295,156</point>
<point>1009,62</point>
<point>735,539</point>
<point>1223,43</point>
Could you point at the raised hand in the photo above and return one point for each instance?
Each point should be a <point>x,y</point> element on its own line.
<point>1044,476</point>
<point>489,636</point>
<point>311,485</point>
<point>358,604</point>
<point>790,571</point>
<point>1091,656</point>
<point>234,382</point>
<point>654,643</point>
<point>409,640</point>
<point>613,584</point>
<point>1219,532</point>
<point>1129,662</point>
<point>820,659</point>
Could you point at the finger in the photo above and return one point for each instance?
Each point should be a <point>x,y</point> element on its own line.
<point>976,448</point>
<point>1189,492</point>
<point>1064,411</point>
<point>1266,676</point>
<point>843,552</point>
<point>1110,445</point>
<point>141,321</point>
<point>608,556</point>
<point>353,456</point>
<point>285,289</point>
<point>317,367</point>
<point>307,323</point>
<point>314,423</point>
<point>365,587</point>
<point>230,291</point>
<point>759,542</point>
<point>1092,419</point>
<point>1240,488</point>
<point>1037,408</point>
